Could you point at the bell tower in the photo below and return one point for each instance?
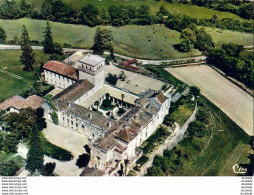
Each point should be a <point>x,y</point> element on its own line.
<point>91,67</point>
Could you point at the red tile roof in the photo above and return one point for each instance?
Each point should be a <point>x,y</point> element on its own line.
<point>130,64</point>
<point>62,69</point>
<point>18,102</point>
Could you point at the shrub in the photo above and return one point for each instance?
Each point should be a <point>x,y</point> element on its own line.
<point>8,168</point>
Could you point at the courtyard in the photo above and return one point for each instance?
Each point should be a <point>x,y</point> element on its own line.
<point>134,82</point>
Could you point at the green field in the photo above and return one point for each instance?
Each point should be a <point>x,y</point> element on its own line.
<point>149,42</point>
<point>224,145</point>
<point>10,62</point>
<point>175,8</point>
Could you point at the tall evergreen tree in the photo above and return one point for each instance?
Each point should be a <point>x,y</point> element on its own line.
<point>28,56</point>
<point>48,43</point>
<point>102,41</point>
<point>3,36</point>
<point>35,153</point>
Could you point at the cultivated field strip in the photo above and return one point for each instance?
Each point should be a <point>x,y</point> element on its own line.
<point>231,99</point>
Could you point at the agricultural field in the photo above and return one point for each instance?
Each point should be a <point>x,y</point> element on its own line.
<point>134,82</point>
<point>12,77</point>
<point>223,145</point>
<point>147,42</point>
<point>233,101</point>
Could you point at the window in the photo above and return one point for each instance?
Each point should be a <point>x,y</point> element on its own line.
<point>71,122</point>
<point>76,124</point>
<point>83,126</point>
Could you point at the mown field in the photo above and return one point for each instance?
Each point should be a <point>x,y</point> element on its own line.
<point>173,8</point>
<point>148,42</point>
<point>10,85</point>
<point>224,144</point>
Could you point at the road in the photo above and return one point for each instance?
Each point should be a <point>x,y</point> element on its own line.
<point>143,61</point>
<point>73,50</point>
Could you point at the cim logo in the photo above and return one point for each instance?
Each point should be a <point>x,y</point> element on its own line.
<point>238,169</point>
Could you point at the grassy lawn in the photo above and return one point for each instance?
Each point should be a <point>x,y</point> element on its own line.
<point>183,112</point>
<point>149,42</point>
<point>175,8</point>
<point>9,163</point>
<point>10,62</point>
<point>224,144</point>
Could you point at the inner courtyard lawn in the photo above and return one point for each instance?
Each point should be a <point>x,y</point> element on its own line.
<point>10,85</point>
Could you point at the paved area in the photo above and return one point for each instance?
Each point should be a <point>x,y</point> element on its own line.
<point>232,100</point>
<point>65,138</point>
<point>143,61</point>
<point>55,91</point>
<point>134,82</point>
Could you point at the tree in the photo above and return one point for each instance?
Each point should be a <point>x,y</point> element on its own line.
<point>246,11</point>
<point>204,40</point>
<point>83,160</point>
<point>1,140</point>
<point>195,91</point>
<point>58,49</point>
<point>185,46</point>
<point>48,43</point>
<point>111,79</point>
<point>118,15</point>
<point>10,143</point>
<point>48,169</point>
<point>122,76</point>
<point>9,10</point>
<point>47,9</point>
<point>35,153</point>
<point>89,15</point>
<point>25,8</point>
<point>188,34</point>
<point>3,36</point>
<point>28,56</point>
<point>122,96</point>
<point>102,41</point>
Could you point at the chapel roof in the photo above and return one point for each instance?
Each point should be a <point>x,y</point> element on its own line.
<point>62,69</point>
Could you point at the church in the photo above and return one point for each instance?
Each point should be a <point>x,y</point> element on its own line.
<point>114,140</point>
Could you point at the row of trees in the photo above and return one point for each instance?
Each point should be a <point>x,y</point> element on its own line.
<point>28,56</point>
<point>180,22</point>
<point>234,61</point>
<point>117,15</point>
<point>242,8</point>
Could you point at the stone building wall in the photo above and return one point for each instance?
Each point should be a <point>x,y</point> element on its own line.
<point>57,80</point>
